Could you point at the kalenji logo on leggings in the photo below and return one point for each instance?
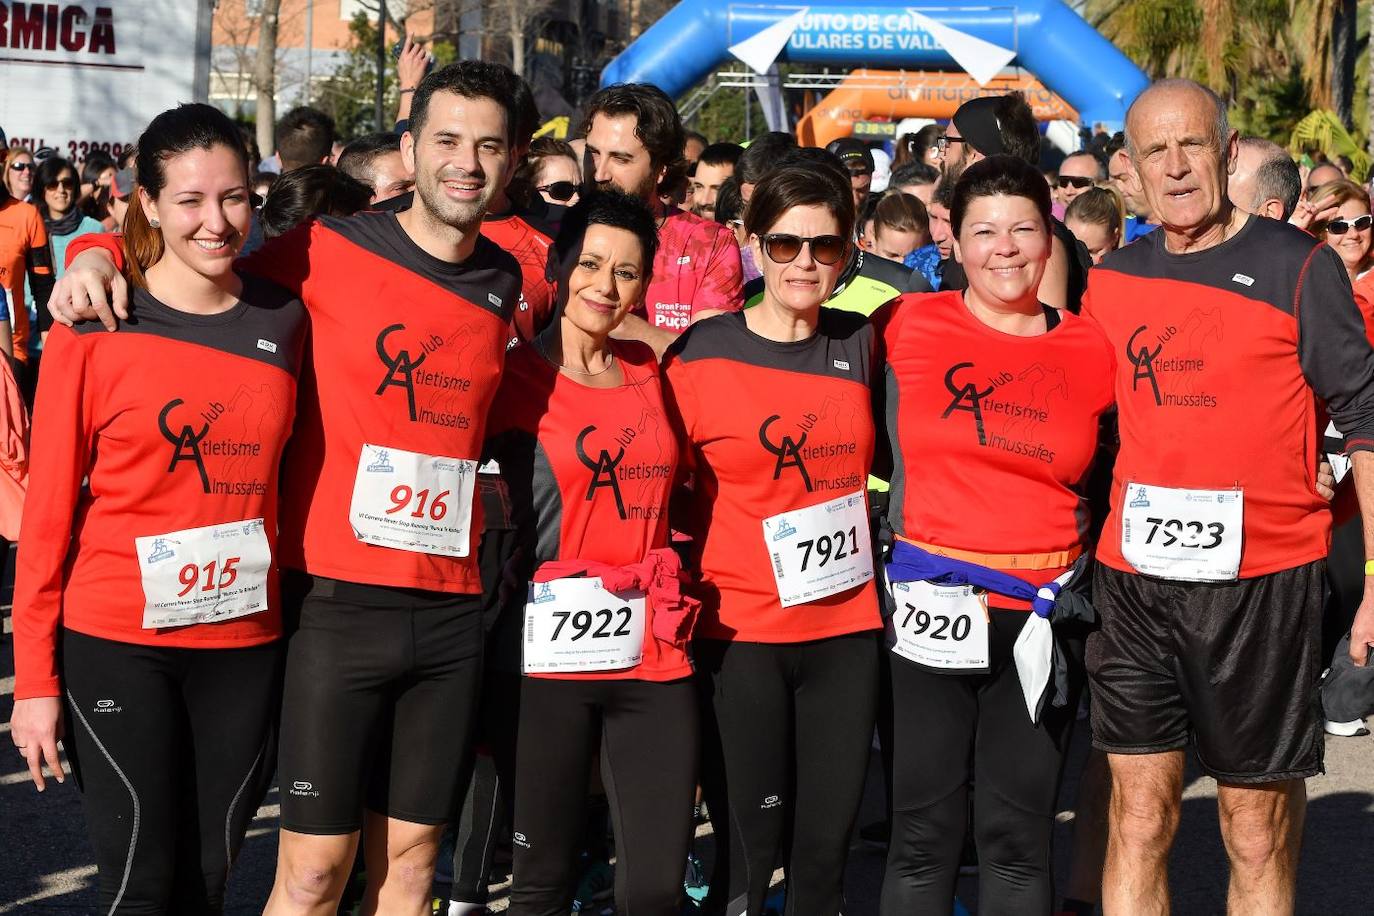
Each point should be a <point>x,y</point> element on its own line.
<point>304,789</point>
<point>518,839</point>
<point>771,801</point>
<point>107,706</point>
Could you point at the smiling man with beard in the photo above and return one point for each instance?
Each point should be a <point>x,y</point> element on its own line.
<point>379,518</point>
<point>634,144</point>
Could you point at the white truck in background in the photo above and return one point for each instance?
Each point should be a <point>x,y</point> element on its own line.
<point>78,77</point>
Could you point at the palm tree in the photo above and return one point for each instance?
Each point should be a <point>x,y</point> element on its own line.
<point>1327,28</point>
<point>1224,43</point>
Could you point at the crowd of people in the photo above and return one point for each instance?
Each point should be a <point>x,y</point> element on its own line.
<point>481,490</point>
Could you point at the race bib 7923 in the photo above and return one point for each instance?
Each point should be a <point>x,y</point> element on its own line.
<point>1189,535</point>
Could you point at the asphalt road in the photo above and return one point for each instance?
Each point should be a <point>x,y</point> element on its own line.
<point>46,865</point>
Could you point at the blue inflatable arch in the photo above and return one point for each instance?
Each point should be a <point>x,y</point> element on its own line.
<point>1052,41</point>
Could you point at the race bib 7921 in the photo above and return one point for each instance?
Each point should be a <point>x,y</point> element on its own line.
<point>820,550</point>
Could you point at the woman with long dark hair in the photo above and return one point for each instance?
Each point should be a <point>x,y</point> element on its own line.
<point>146,613</point>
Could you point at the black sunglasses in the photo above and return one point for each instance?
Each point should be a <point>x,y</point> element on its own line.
<point>559,190</point>
<point>783,248</point>
<point>68,183</point>
<point>1341,226</point>
<point>22,166</point>
<point>1076,181</point>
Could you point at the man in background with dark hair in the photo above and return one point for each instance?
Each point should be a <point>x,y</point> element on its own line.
<point>857,160</point>
<point>715,166</point>
<point>693,145</point>
<point>634,144</point>
<point>759,156</point>
<point>915,178</point>
<point>1266,181</point>
<point>1004,125</point>
<point>375,160</point>
<point>305,136</point>
<point>1077,173</point>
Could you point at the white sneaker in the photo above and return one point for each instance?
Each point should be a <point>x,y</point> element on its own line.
<point>1353,729</point>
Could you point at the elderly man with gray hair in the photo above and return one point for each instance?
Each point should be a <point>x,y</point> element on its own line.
<point>1229,331</point>
<point>1266,181</point>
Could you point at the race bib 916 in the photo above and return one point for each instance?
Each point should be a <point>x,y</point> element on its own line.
<point>411,501</point>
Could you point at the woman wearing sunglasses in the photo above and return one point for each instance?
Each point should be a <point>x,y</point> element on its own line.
<point>62,218</point>
<point>774,406</point>
<point>19,169</point>
<point>990,402</point>
<point>554,171</point>
<point>25,260</point>
<point>1348,232</point>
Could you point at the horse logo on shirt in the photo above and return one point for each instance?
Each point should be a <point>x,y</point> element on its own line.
<point>603,469</point>
<point>185,444</point>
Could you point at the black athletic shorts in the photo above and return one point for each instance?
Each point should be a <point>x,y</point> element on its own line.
<point>1233,666</point>
<point>379,707</point>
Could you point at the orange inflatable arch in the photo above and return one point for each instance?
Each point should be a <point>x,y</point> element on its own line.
<point>867,95</point>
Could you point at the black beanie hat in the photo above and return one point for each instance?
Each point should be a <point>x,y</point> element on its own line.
<point>977,123</point>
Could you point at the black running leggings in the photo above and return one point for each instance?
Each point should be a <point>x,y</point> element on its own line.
<point>171,749</point>
<point>793,726</point>
<point>648,738</point>
<point>952,730</point>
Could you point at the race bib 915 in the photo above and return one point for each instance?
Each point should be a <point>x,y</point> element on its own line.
<point>1189,535</point>
<point>821,550</point>
<point>412,501</point>
<point>204,575</point>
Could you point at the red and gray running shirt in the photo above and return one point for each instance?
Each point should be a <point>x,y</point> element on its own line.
<point>530,248</point>
<point>175,423</point>
<point>405,354</point>
<point>590,469</point>
<point>1221,358</point>
<point>697,268</point>
<point>770,427</point>
<point>991,434</point>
